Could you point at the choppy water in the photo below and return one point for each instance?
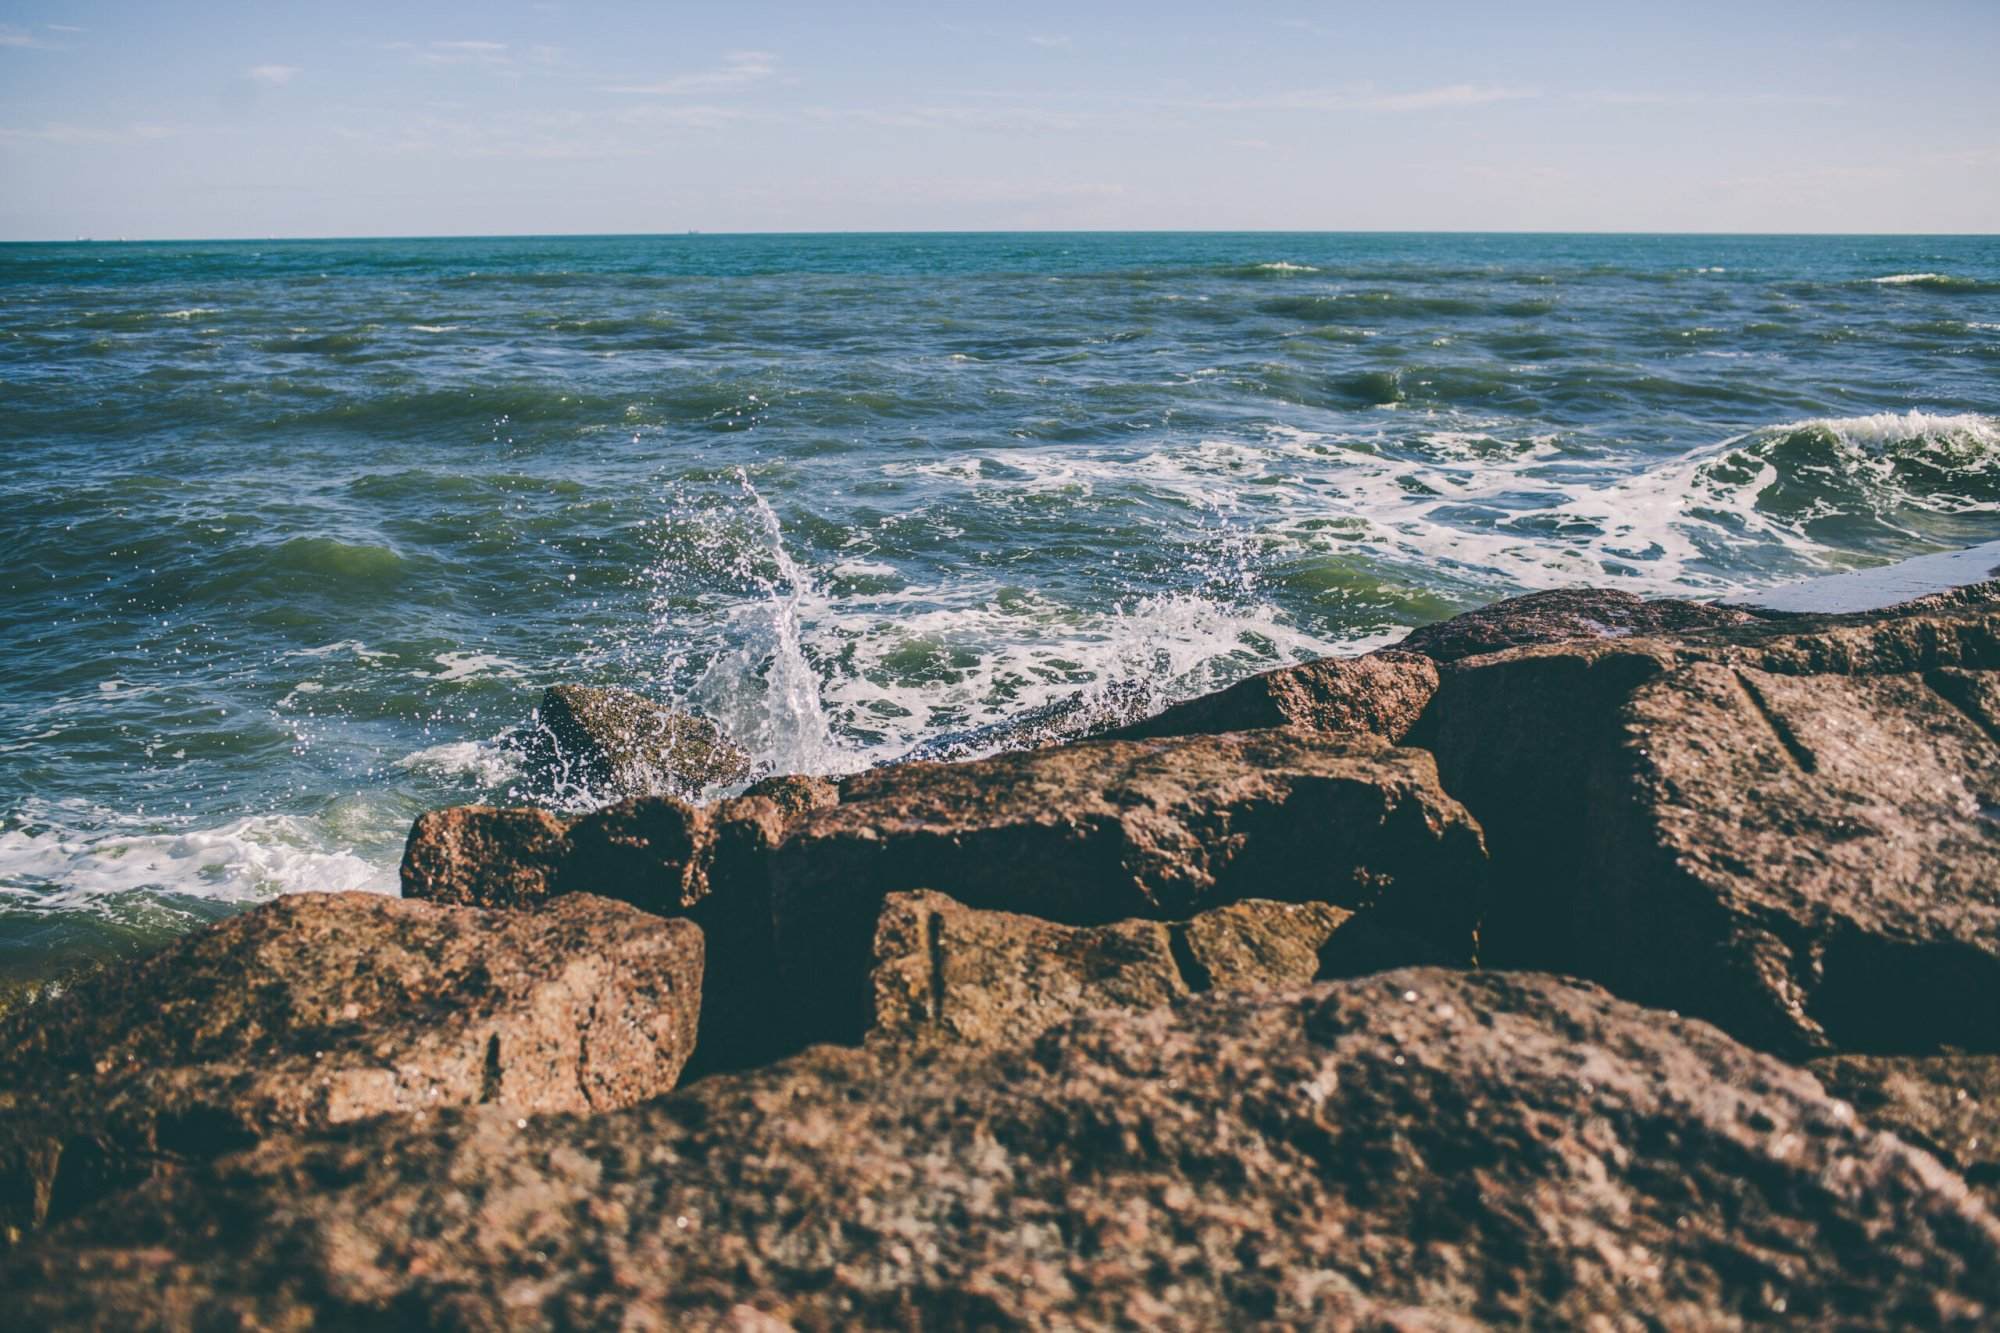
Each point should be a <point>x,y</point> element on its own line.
<point>294,529</point>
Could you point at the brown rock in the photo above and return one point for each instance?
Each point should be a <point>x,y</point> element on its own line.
<point>796,795</point>
<point>949,971</point>
<point>1653,828</point>
<point>1945,1104</point>
<point>1417,1150</point>
<point>1380,694</point>
<point>479,856</point>
<point>944,970</point>
<point>317,1009</point>
<point>606,743</point>
<point>1255,944</point>
<point>1560,616</point>
<point>1099,831</point>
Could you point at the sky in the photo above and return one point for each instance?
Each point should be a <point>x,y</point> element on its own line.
<point>285,118</point>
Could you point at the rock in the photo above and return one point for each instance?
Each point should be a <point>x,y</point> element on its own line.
<point>1255,944</point>
<point>1099,831</point>
<point>604,743</point>
<point>1079,716</point>
<point>1945,1104</point>
<point>1776,826</point>
<point>1379,694</point>
<point>480,856</point>
<point>796,795</point>
<point>1421,1149</point>
<point>660,854</point>
<point>317,1009</point>
<point>942,970</point>
<point>1562,615</point>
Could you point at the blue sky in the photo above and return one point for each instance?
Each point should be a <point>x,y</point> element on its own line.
<point>231,119</point>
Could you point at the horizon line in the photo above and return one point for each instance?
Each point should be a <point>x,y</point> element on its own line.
<point>995,231</point>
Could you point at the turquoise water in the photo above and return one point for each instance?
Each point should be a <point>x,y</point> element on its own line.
<point>298,529</point>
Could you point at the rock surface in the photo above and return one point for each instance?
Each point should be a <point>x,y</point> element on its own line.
<point>1559,616</point>
<point>706,863</point>
<point>1099,831</point>
<point>945,971</point>
<point>606,743</point>
<point>1379,694</point>
<point>317,1009</point>
<point>1945,1104</point>
<point>1663,819</point>
<point>1422,1149</point>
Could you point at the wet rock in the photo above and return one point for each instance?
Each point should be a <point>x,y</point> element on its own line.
<point>1945,1104</point>
<point>796,795</point>
<point>1419,1150</point>
<point>318,1009</point>
<point>604,743</point>
<point>481,856</point>
<point>1562,615</point>
<point>1099,831</point>
<point>1079,716</point>
<point>942,970</point>
<point>1380,694</point>
<point>1746,822</point>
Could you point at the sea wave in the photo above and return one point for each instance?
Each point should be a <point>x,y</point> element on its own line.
<point>1936,282</point>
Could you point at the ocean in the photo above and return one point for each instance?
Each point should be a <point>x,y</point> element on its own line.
<point>298,530</point>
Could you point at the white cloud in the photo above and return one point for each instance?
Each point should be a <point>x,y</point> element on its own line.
<point>18,37</point>
<point>272,76</point>
<point>738,69</point>
<point>64,27</point>
<point>466,52</point>
<point>1049,42</point>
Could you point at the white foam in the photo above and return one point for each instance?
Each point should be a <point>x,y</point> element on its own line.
<point>487,763</point>
<point>467,666</point>
<point>58,860</point>
<point>436,328</point>
<point>1905,279</point>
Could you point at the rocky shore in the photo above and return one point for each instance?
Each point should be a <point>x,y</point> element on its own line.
<point>1578,961</point>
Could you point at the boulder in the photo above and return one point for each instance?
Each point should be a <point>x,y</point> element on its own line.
<point>1560,616</point>
<point>318,1009</point>
<point>796,795</point>
<point>1379,694</point>
<point>941,970</point>
<point>1420,1149</point>
<point>1099,831</point>
<point>1945,1104</point>
<point>1778,826</point>
<point>660,854</point>
<point>601,743</point>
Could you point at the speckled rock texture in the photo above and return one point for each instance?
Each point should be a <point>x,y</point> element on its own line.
<point>706,863</point>
<point>944,971</point>
<point>1417,1150</point>
<point>1779,826</point>
<point>1378,694</point>
<point>1560,616</point>
<point>1948,1105</point>
<point>610,743</point>
<point>1100,831</point>
<point>317,1009</point>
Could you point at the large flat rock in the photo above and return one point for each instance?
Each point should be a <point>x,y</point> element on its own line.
<point>1101,831</point>
<point>318,1009</point>
<point>1563,615</point>
<point>1422,1149</point>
